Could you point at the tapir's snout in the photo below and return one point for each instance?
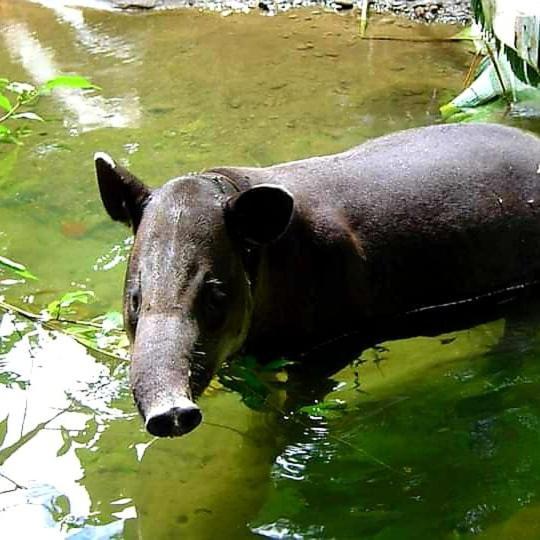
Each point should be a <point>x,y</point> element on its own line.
<point>174,421</point>
<point>160,375</point>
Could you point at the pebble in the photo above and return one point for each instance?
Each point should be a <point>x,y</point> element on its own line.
<point>278,86</point>
<point>445,11</point>
<point>344,4</point>
<point>134,4</point>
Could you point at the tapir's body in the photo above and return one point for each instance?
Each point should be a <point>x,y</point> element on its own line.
<point>415,219</point>
<point>411,221</point>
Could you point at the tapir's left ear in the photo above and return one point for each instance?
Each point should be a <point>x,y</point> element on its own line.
<point>123,195</point>
<point>260,215</point>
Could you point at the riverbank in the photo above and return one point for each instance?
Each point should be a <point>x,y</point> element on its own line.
<point>442,11</point>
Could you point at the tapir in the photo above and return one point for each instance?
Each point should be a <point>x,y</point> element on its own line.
<point>286,258</point>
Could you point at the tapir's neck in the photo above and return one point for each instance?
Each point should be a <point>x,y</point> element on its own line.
<point>239,179</point>
<point>294,281</point>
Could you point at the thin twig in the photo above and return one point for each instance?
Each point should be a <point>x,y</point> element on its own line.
<point>39,318</point>
<point>472,70</point>
<point>11,112</point>
<point>363,17</point>
<point>32,358</point>
<point>16,484</point>
<point>498,72</point>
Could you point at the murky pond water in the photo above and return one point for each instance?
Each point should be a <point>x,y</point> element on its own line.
<point>428,438</point>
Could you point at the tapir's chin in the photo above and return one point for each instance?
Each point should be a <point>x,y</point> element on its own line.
<point>172,418</point>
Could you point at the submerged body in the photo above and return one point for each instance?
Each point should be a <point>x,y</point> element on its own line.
<point>282,259</point>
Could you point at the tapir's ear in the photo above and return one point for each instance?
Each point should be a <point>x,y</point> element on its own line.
<point>261,214</point>
<point>123,195</point>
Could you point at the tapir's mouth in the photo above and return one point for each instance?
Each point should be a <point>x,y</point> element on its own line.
<point>173,420</point>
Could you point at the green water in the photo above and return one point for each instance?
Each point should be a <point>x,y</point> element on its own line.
<point>429,437</point>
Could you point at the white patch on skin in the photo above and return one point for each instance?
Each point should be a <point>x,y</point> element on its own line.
<point>109,160</point>
<point>538,170</point>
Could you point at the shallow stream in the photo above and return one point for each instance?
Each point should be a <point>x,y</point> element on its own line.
<point>428,438</point>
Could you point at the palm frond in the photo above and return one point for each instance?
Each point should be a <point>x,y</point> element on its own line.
<point>513,26</point>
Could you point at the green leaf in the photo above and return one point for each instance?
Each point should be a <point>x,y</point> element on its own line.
<point>3,430</point>
<point>16,268</point>
<point>7,136</point>
<point>67,300</point>
<point>28,116</point>
<point>5,103</point>
<point>325,408</point>
<point>67,442</point>
<point>67,81</point>
<point>8,378</point>
<point>277,365</point>
<point>467,33</point>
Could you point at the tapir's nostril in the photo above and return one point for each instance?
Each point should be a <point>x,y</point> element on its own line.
<point>174,422</point>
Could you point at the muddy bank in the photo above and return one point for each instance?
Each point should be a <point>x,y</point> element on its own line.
<point>444,11</point>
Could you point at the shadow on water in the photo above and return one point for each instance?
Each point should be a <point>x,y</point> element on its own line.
<point>432,437</point>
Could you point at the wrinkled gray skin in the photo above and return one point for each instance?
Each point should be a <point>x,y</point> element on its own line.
<point>283,259</point>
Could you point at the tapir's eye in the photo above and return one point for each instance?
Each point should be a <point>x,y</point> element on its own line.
<point>135,302</point>
<point>132,306</point>
<point>214,304</point>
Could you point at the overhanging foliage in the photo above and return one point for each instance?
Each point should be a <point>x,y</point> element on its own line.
<point>514,27</point>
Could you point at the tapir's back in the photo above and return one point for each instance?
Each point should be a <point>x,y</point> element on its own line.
<point>439,164</point>
<point>437,215</point>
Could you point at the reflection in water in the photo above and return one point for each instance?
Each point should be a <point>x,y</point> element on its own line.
<point>57,389</point>
<point>66,4</point>
<point>293,461</point>
<point>92,40</point>
<point>118,254</point>
<point>90,112</point>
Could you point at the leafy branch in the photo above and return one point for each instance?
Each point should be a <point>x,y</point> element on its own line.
<point>16,96</point>
<point>102,334</point>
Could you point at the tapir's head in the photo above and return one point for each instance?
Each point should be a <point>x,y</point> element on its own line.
<point>188,297</point>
